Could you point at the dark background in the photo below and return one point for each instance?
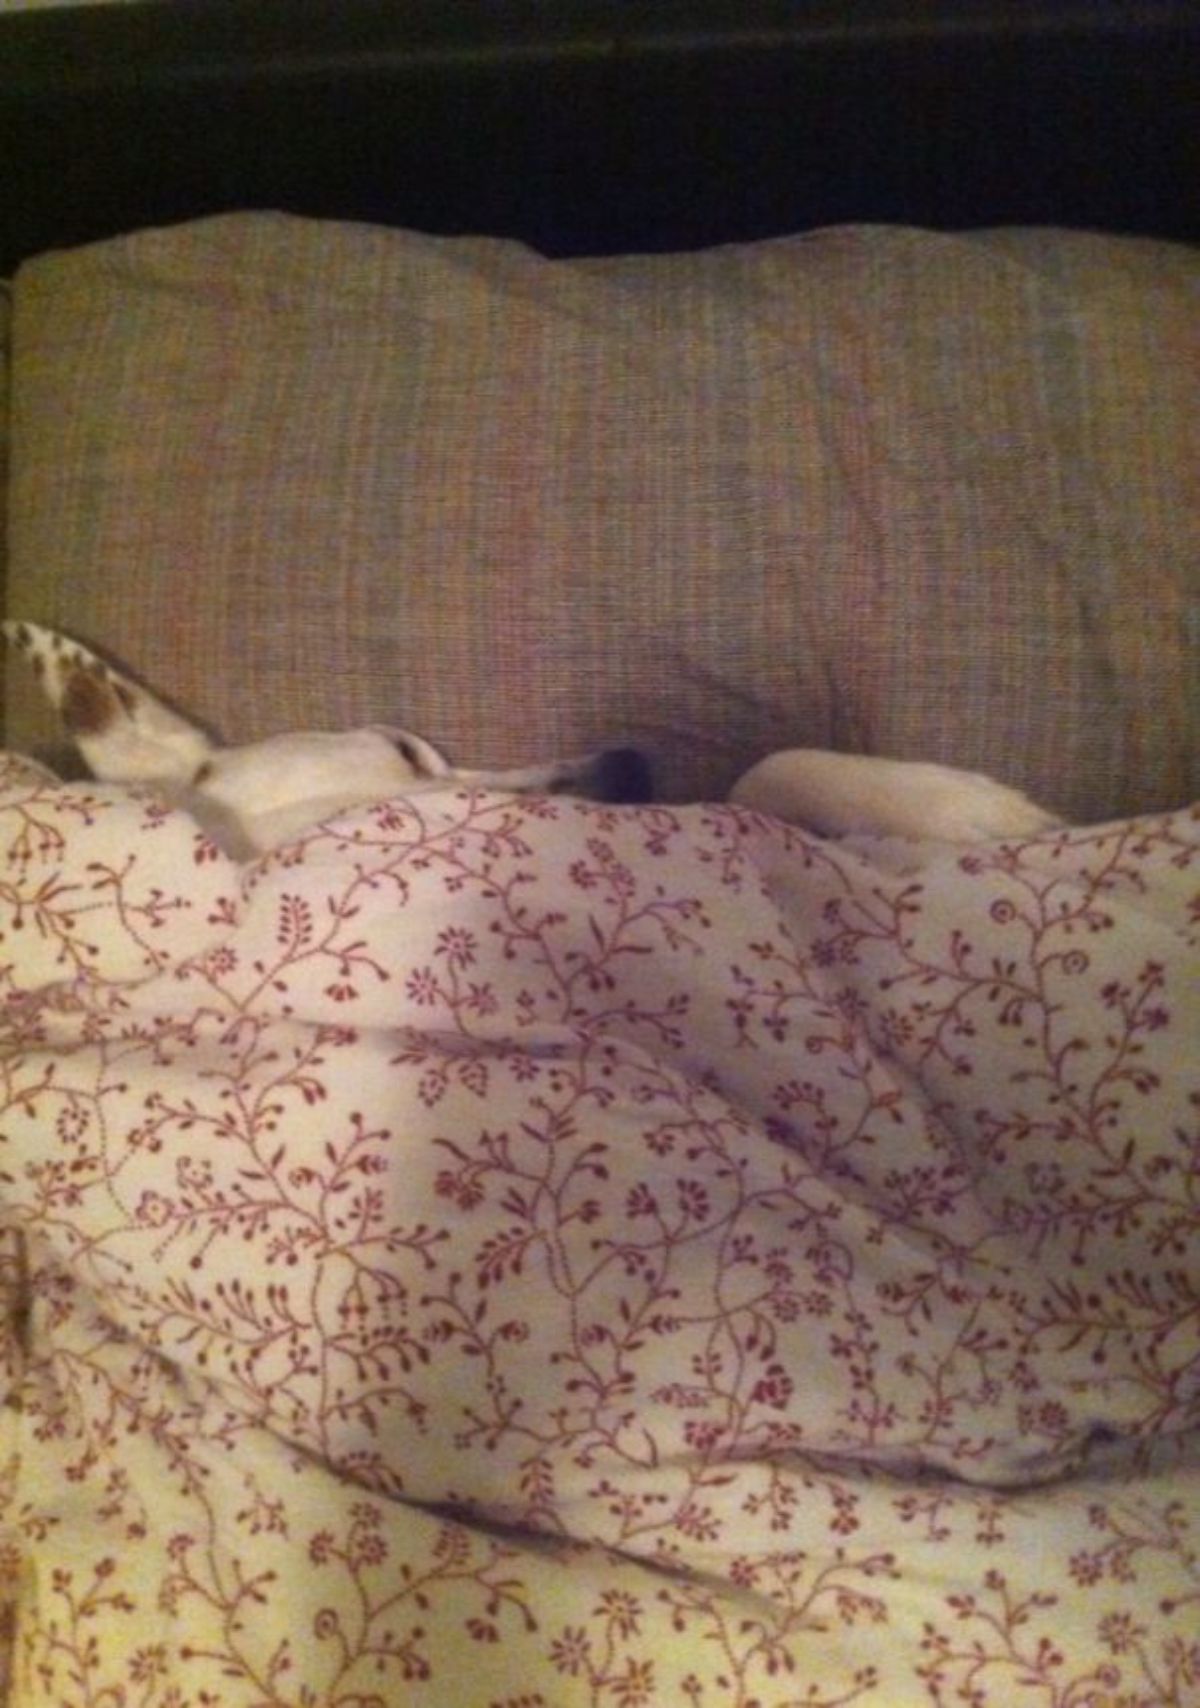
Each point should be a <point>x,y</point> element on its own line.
<point>590,126</point>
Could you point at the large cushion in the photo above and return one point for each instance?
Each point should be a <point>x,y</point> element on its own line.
<point>872,488</point>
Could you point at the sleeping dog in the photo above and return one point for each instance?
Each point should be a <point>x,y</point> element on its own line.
<point>253,798</point>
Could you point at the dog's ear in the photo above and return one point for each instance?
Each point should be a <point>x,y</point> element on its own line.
<point>425,760</point>
<point>124,733</point>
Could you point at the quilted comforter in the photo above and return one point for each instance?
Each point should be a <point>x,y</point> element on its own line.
<point>499,1253</point>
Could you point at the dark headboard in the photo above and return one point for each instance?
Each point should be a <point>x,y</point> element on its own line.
<point>602,125</point>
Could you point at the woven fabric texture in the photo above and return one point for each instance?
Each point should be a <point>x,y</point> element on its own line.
<point>872,488</point>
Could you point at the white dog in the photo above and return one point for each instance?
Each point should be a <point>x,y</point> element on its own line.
<point>251,799</point>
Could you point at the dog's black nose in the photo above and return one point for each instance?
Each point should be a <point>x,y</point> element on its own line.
<point>622,775</point>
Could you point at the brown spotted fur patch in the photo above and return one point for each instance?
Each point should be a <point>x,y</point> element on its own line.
<point>89,704</point>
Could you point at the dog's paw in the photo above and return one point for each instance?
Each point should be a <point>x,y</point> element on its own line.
<point>123,732</point>
<point>86,694</point>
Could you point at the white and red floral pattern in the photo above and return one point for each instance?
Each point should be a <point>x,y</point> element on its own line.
<point>502,1253</point>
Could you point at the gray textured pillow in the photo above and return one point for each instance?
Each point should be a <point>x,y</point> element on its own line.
<point>871,488</point>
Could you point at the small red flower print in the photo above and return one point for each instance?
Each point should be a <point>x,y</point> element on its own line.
<point>774,1389</point>
<point>623,1610</point>
<point>194,1175</point>
<point>634,1688</point>
<point>148,1664</point>
<point>370,1549</point>
<point>640,1201</point>
<point>703,1435</point>
<point>1086,1569</point>
<point>154,1211</point>
<point>294,930</point>
<point>693,1200</point>
<point>462,1188</point>
<point>572,1652</point>
<point>582,876</point>
<point>1120,1632</point>
<point>458,948</point>
<point>422,987</point>
<point>72,1123</point>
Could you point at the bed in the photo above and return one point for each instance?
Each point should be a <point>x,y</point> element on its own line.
<point>492,1253</point>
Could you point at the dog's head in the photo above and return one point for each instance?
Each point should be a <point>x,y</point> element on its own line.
<point>252,798</point>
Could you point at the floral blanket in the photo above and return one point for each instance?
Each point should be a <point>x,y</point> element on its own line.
<point>526,1254</point>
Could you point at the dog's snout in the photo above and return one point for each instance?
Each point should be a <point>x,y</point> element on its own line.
<point>621,775</point>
